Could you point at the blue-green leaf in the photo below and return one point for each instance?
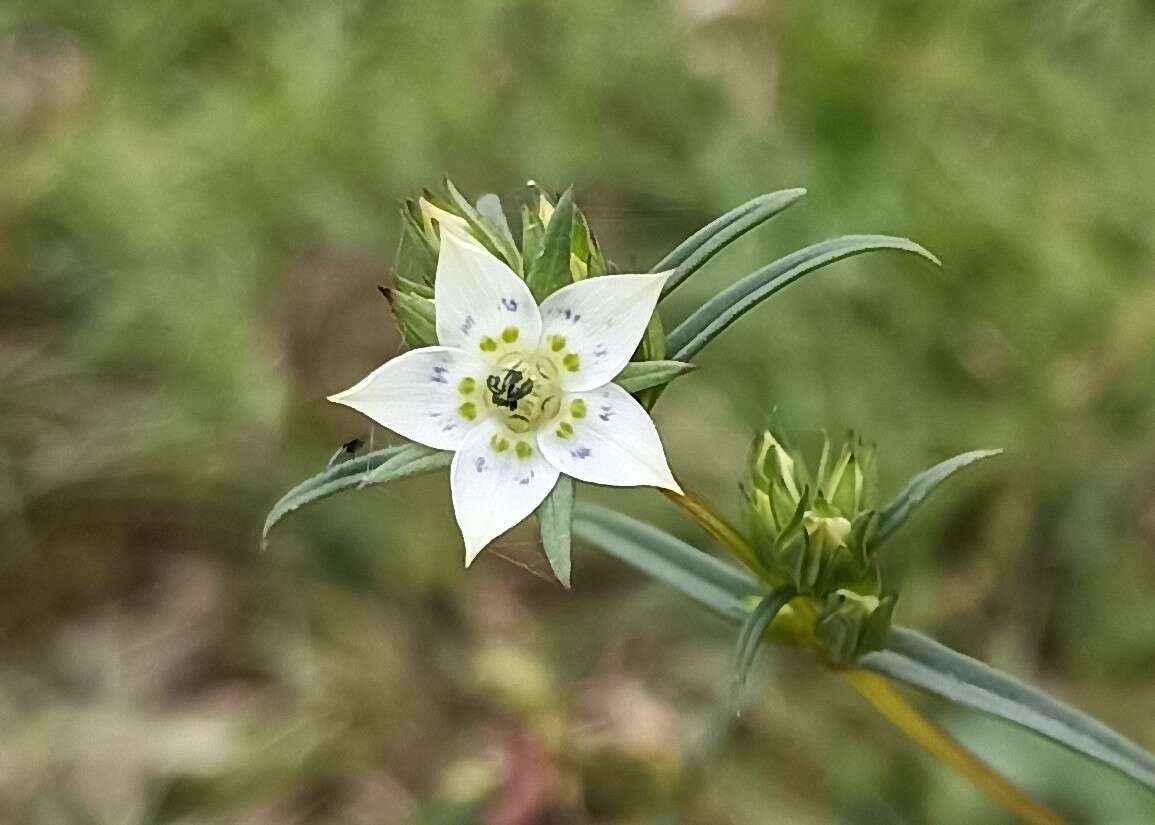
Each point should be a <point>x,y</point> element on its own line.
<point>555,521</point>
<point>692,254</point>
<point>750,636</point>
<point>732,303</point>
<point>642,375</point>
<point>895,514</point>
<point>922,662</point>
<point>707,580</point>
<point>378,467</point>
<point>550,271</point>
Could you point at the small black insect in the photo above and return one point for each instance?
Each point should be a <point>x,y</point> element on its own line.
<point>509,388</point>
<point>347,451</point>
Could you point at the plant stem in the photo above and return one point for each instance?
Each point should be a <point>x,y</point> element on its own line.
<point>887,701</point>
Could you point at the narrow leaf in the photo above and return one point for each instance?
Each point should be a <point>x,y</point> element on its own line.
<point>750,636</point>
<point>550,271</point>
<point>377,467</point>
<point>895,514</point>
<point>709,581</point>
<point>693,253</point>
<point>555,520</point>
<point>731,304</point>
<point>642,375</point>
<point>922,662</point>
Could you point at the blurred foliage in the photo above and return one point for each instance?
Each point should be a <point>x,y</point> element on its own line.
<point>197,199</point>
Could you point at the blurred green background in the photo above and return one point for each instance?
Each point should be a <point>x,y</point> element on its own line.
<point>197,198</point>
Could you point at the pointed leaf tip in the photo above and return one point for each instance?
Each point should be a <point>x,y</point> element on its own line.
<point>895,514</point>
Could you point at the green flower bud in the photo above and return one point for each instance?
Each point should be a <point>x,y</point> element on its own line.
<point>813,529</point>
<point>851,624</point>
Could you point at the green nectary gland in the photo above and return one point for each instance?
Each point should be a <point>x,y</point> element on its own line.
<point>524,391</point>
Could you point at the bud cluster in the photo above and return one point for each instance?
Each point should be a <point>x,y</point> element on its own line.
<point>543,223</point>
<point>814,530</point>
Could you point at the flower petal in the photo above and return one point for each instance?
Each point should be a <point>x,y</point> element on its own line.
<point>431,395</point>
<point>482,306</point>
<point>604,436</point>
<point>598,323</point>
<point>497,480</point>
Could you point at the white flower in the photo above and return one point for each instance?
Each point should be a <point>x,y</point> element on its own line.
<point>521,393</point>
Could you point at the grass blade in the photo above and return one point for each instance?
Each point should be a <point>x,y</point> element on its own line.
<point>709,320</point>
<point>895,514</point>
<point>692,254</point>
<point>922,662</point>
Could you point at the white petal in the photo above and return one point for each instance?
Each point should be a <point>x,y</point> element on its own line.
<point>495,485</point>
<point>611,441</point>
<point>602,321</point>
<point>478,300</point>
<point>423,395</point>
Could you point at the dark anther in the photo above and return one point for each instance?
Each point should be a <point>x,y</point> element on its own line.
<point>509,389</point>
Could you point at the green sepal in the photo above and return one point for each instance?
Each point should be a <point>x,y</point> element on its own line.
<point>652,348</point>
<point>750,636</point>
<point>490,208</point>
<point>414,288</point>
<point>486,234</point>
<point>415,316</point>
<point>642,375</point>
<point>555,522</point>
<point>551,270</point>
<point>425,250</point>
<point>532,236</point>
<point>877,629</point>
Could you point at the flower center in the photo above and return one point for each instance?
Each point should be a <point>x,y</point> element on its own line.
<point>524,391</point>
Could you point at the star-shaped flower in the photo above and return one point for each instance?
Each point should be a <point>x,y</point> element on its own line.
<point>521,393</point>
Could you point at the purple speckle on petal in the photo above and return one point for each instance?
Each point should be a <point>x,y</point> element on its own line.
<point>581,452</point>
<point>607,412</point>
<point>439,374</point>
<point>467,324</point>
<point>479,464</point>
<point>600,351</point>
<point>526,479</point>
<point>510,304</point>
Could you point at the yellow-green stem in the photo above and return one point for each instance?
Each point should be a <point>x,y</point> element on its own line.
<point>701,514</point>
<point>887,701</point>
